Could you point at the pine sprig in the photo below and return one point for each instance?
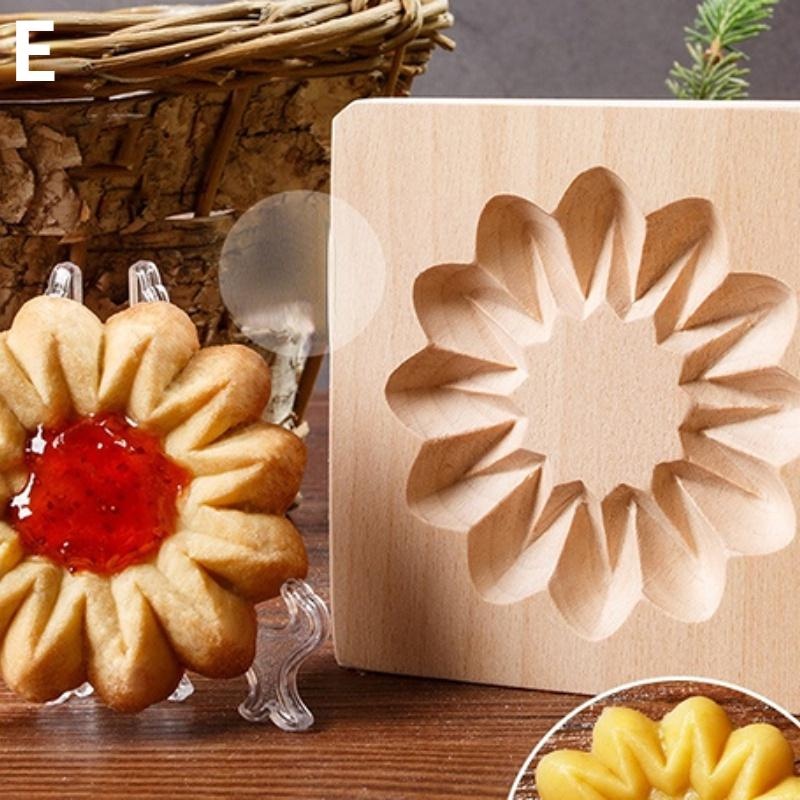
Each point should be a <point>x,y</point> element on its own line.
<point>717,71</point>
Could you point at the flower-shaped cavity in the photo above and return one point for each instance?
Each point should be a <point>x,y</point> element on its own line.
<point>692,754</point>
<point>600,406</point>
<point>145,502</point>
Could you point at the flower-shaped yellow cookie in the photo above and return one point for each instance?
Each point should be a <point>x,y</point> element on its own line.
<point>692,754</point>
<point>145,502</point>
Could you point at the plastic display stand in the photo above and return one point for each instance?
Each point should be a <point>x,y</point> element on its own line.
<point>281,648</point>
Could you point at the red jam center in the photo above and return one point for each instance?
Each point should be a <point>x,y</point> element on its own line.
<point>101,495</point>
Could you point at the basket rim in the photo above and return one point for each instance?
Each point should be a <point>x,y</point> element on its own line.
<point>180,48</point>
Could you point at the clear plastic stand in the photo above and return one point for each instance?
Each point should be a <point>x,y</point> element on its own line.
<point>281,647</point>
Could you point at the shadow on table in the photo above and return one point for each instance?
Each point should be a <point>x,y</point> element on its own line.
<point>339,698</point>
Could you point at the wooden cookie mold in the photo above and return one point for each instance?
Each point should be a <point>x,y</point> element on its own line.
<point>600,405</point>
<point>564,450</point>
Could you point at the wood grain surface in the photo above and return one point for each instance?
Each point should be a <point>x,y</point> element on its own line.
<point>453,553</point>
<point>377,736</point>
<point>656,700</point>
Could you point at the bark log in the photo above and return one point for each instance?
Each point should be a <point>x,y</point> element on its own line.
<point>109,182</point>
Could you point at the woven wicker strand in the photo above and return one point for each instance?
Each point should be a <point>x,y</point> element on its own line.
<point>172,48</point>
<point>165,123</point>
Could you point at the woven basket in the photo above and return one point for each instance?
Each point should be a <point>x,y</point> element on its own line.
<point>166,123</point>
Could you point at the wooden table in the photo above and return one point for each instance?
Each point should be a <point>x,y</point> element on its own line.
<point>377,736</point>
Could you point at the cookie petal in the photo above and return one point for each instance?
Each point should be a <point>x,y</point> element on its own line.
<point>211,630</point>
<point>130,662</point>
<point>254,554</point>
<point>146,347</point>
<point>42,652</point>
<point>51,361</point>
<point>267,462</point>
<point>220,389</point>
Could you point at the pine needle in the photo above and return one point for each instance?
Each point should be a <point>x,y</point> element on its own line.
<point>717,70</point>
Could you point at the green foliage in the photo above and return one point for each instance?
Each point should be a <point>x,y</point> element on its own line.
<point>717,70</point>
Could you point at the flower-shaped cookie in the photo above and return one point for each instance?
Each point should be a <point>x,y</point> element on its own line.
<point>600,406</point>
<point>145,501</point>
<point>692,754</point>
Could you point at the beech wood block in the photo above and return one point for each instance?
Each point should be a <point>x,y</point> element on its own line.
<point>564,446</point>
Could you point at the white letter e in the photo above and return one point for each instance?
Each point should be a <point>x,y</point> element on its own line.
<point>25,49</point>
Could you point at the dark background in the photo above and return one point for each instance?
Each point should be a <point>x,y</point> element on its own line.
<point>592,48</point>
<point>568,48</point>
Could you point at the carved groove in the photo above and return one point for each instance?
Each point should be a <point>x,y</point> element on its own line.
<point>600,406</point>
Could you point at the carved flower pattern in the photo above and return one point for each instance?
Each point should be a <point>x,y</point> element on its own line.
<point>598,553</point>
